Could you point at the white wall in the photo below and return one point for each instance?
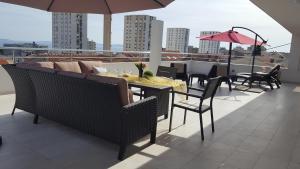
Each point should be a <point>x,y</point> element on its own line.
<point>6,84</point>
<point>292,74</point>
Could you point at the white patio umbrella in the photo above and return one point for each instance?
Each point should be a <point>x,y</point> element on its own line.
<point>106,7</point>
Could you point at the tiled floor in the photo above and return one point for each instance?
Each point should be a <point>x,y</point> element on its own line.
<point>253,131</point>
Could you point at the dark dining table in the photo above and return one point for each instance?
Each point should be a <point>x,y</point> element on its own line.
<point>162,94</point>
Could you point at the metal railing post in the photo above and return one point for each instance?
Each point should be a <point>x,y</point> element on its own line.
<point>111,55</point>
<point>14,59</point>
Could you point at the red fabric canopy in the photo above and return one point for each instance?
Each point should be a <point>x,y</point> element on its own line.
<point>231,36</point>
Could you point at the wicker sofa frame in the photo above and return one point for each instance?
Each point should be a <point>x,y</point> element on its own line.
<point>86,105</point>
<point>24,89</point>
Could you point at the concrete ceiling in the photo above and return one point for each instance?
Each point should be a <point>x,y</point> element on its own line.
<point>285,12</point>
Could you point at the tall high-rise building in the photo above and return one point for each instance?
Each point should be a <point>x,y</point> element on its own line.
<point>210,47</point>
<point>69,30</point>
<point>178,39</point>
<point>137,32</point>
<point>91,45</point>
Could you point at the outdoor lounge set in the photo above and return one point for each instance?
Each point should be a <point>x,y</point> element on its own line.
<point>67,92</point>
<point>71,94</point>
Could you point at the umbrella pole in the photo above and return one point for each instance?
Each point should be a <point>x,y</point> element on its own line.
<point>253,56</point>
<point>229,58</point>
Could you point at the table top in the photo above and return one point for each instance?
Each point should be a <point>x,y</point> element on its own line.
<point>155,82</point>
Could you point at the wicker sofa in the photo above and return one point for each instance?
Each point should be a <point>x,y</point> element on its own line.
<point>97,105</point>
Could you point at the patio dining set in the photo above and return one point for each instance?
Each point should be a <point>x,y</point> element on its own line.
<point>75,95</point>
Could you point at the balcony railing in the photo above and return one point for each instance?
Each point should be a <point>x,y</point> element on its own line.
<point>17,54</point>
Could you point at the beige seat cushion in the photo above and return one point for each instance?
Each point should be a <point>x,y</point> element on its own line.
<point>122,84</point>
<point>67,67</point>
<point>49,65</point>
<point>87,66</point>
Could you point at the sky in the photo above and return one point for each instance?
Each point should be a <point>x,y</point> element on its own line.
<point>27,24</point>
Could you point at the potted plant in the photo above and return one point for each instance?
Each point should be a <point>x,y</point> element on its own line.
<point>141,66</point>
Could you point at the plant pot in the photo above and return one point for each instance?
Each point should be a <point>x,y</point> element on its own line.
<point>141,71</point>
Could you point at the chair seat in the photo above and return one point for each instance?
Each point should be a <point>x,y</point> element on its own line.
<point>191,105</point>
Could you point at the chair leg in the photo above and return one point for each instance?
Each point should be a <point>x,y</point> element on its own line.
<point>184,119</point>
<point>277,84</point>
<point>36,119</point>
<point>122,152</point>
<point>166,116</point>
<point>244,81</point>
<point>201,126</point>
<point>13,111</point>
<point>278,81</point>
<point>171,118</point>
<point>229,84</point>
<point>250,83</point>
<point>153,136</point>
<point>141,94</point>
<point>270,84</point>
<point>212,120</point>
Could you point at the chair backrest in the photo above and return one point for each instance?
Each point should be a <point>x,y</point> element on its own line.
<point>211,87</point>
<point>181,67</point>
<point>213,71</point>
<point>169,72</point>
<point>275,70</point>
<point>80,103</point>
<point>222,70</point>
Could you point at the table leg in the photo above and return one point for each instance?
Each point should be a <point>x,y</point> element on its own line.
<point>162,98</point>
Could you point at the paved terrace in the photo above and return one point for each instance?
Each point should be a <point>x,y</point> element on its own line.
<point>259,131</point>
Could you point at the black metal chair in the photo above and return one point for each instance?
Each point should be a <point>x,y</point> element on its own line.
<point>222,71</point>
<point>202,77</point>
<point>208,92</point>
<point>164,71</point>
<point>181,72</point>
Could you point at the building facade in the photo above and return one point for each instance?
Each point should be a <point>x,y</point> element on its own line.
<point>177,39</point>
<point>91,45</point>
<point>69,30</point>
<point>192,49</point>
<point>209,47</point>
<point>137,32</point>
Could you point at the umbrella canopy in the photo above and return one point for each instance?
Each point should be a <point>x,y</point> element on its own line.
<point>92,6</point>
<point>232,37</point>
